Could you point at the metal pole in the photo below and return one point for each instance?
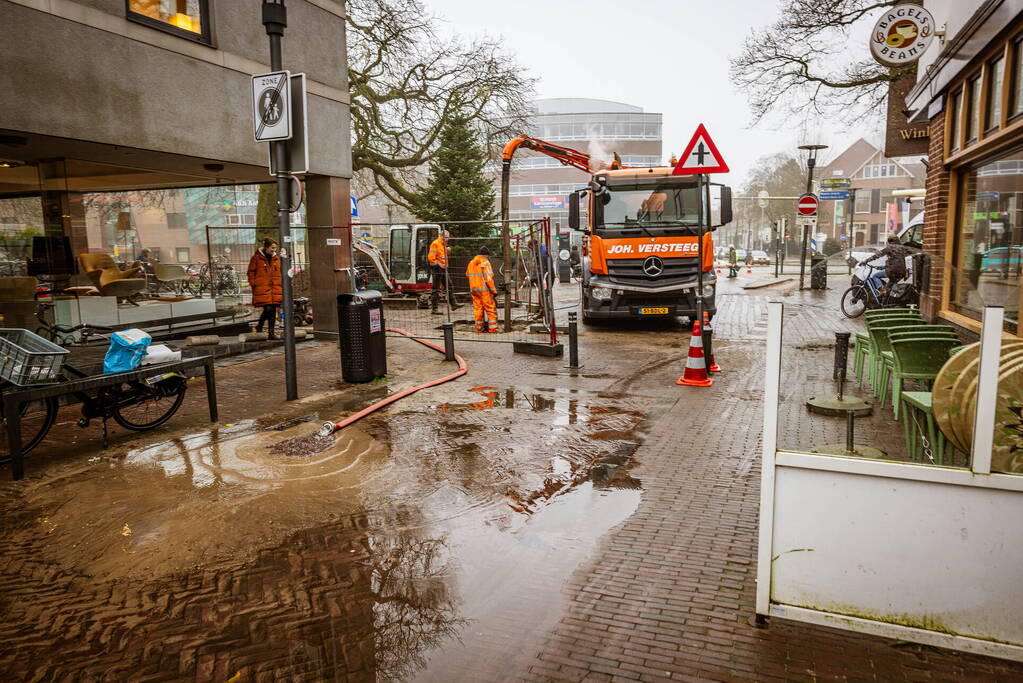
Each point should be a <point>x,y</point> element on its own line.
<point>573,341</point>
<point>449,341</point>
<point>506,264</point>
<point>776,245</point>
<point>850,235</point>
<point>850,422</point>
<point>275,19</point>
<point>699,248</point>
<point>810,163</point>
<point>841,360</point>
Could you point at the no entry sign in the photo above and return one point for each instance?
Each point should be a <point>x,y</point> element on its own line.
<point>807,205</point>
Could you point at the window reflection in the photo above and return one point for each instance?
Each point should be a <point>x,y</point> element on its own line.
<point>989,239</point>
<point>994,95</point>
<point>186,15</point>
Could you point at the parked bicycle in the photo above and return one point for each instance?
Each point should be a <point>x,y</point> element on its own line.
<point>865,294</point>
<point>66,335</point>
<point>138,405</point>
<point>218,278</point>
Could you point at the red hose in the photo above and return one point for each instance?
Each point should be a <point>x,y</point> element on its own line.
<point>331,427</point>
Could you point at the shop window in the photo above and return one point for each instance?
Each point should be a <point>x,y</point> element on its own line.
<point>181,254</point>
<point>972,110</point>
<point>954,111</point>
<point>989,239</point>
<point>875,230</point>
<point>185,18</point>
<point>993,116</point>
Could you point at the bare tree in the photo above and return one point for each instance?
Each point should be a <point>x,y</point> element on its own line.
<point>406,82</point>
<point>802,63</point>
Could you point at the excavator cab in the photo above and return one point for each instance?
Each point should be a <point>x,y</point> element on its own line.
<point>406,261</point>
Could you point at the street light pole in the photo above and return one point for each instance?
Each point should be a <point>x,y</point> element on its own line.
<point>275,20</point>
<point>810,163</point>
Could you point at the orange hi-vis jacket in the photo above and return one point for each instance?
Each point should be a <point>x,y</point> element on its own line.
<point>481,275</point>
<point>438,255</point>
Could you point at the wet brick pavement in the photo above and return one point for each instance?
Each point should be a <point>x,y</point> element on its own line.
<point>646,576</point>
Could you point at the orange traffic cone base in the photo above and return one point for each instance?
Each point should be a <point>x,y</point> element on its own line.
<point>682,381</point>
<point>714,367</point>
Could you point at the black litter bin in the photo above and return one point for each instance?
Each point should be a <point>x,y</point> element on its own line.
<point>361,338</point>
<point>818,272</point>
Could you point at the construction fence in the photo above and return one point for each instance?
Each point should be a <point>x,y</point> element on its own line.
<point>393,259</point>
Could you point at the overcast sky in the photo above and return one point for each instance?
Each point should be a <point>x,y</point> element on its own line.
<point>669,56</point>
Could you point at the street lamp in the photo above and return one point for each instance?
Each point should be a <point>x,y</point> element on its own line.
<point>811,161</point>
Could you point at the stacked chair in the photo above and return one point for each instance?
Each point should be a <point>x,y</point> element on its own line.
<point>898,346</point>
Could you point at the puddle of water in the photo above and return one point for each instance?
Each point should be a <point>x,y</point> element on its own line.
<point>427,543</point>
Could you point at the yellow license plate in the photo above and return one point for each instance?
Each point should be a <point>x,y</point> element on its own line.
<point>653,311</point>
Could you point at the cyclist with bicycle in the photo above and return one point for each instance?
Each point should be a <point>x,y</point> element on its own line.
<point>895,253</point>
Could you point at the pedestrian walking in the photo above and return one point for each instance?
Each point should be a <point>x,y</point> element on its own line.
<point>266,285</point>
<point>481,286</point>
<point>437,257</point>
<point>733,266</point>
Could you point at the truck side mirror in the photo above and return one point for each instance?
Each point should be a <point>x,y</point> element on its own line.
<point>573,211</point>
<point>726,205</point>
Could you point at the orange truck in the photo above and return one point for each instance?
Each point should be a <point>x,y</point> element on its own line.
<point>644,228</point>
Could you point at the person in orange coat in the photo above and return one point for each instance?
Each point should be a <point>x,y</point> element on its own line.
<point>265,281</point>
<point>481,286</point>
<point>437,257</point>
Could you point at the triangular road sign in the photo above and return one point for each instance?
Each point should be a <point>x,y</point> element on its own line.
<point>701,155</point>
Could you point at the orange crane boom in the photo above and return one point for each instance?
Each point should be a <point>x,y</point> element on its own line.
<point>566,155</point>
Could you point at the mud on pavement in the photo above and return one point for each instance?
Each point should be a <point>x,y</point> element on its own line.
<point>428,540</point>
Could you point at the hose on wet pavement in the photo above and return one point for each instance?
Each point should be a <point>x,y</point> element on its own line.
<point>329,427</point>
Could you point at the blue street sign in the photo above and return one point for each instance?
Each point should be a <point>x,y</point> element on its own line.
<point>842,238</point>
<point>825,195</point>
<point>355,207</point>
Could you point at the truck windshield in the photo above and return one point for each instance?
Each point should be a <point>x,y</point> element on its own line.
<point>658,207</point>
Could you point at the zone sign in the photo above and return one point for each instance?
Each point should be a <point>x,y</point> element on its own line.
<point>807,205</point>
<point>271,106</point>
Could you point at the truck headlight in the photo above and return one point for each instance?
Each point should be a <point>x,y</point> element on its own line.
<point>708,291</point>
<point>601,293</point>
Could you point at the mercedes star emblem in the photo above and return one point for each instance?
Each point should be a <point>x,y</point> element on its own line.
<point>653,266</point>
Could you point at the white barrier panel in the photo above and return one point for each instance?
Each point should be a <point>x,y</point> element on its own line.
<point>908,551</point>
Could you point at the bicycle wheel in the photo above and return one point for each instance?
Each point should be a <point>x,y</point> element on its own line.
<point>152,406</point>
<point>853,301</point>
<point>36,419</point>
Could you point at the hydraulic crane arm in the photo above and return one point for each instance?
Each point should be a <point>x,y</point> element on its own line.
<point>566,155</point>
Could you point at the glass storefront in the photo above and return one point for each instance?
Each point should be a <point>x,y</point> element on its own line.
<point>989,238</point>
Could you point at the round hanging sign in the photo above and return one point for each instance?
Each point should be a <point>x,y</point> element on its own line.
<point>901,35</point>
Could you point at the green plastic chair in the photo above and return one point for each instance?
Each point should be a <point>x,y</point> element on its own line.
<point>879,346</point>
<point>915,358</point>
<point>864,349</point>
<point>886,360</point>
<point>916,404</point>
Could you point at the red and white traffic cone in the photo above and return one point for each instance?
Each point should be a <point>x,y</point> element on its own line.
<point>712,365</point>
<point>696,365</point>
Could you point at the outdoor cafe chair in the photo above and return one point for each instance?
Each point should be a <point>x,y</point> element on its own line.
<point>876,346</point>
<point>863,347</point>
<point>885,360</point>
<point>918,358</point>
<point>917,404</point>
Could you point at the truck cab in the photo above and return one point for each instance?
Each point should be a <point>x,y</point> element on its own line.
<point>644,229</point>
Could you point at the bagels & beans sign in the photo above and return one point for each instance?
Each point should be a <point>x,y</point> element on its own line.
<point>901,35</point>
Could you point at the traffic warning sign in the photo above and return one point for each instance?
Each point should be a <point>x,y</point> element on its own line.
<point>701,155</point>
<point>807,205</point>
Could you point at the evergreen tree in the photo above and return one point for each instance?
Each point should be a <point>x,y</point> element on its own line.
<point>456,188</point>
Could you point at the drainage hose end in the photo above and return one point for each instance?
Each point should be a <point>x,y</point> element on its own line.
<point>327,429</point>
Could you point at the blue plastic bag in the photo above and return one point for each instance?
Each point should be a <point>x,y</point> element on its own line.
<point>127,348</point>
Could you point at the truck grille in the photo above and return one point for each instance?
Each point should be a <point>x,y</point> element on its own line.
<point>630,271</point>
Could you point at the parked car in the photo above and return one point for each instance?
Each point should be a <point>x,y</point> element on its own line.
<point>1002,260</point>
<point>760,258</point>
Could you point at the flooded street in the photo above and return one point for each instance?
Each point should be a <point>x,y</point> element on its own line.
<point>433,542</point>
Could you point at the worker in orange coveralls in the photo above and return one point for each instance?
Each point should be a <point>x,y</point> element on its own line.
<point>437,257</point>
<point>481,286</point>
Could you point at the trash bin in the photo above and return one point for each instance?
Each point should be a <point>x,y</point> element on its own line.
<point>818,272</point>
<point>361,338</point>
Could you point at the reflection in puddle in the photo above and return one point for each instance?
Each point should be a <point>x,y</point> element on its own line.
<point>427,543</point>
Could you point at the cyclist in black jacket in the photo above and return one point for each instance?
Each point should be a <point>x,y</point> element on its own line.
<point>894,269</point>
